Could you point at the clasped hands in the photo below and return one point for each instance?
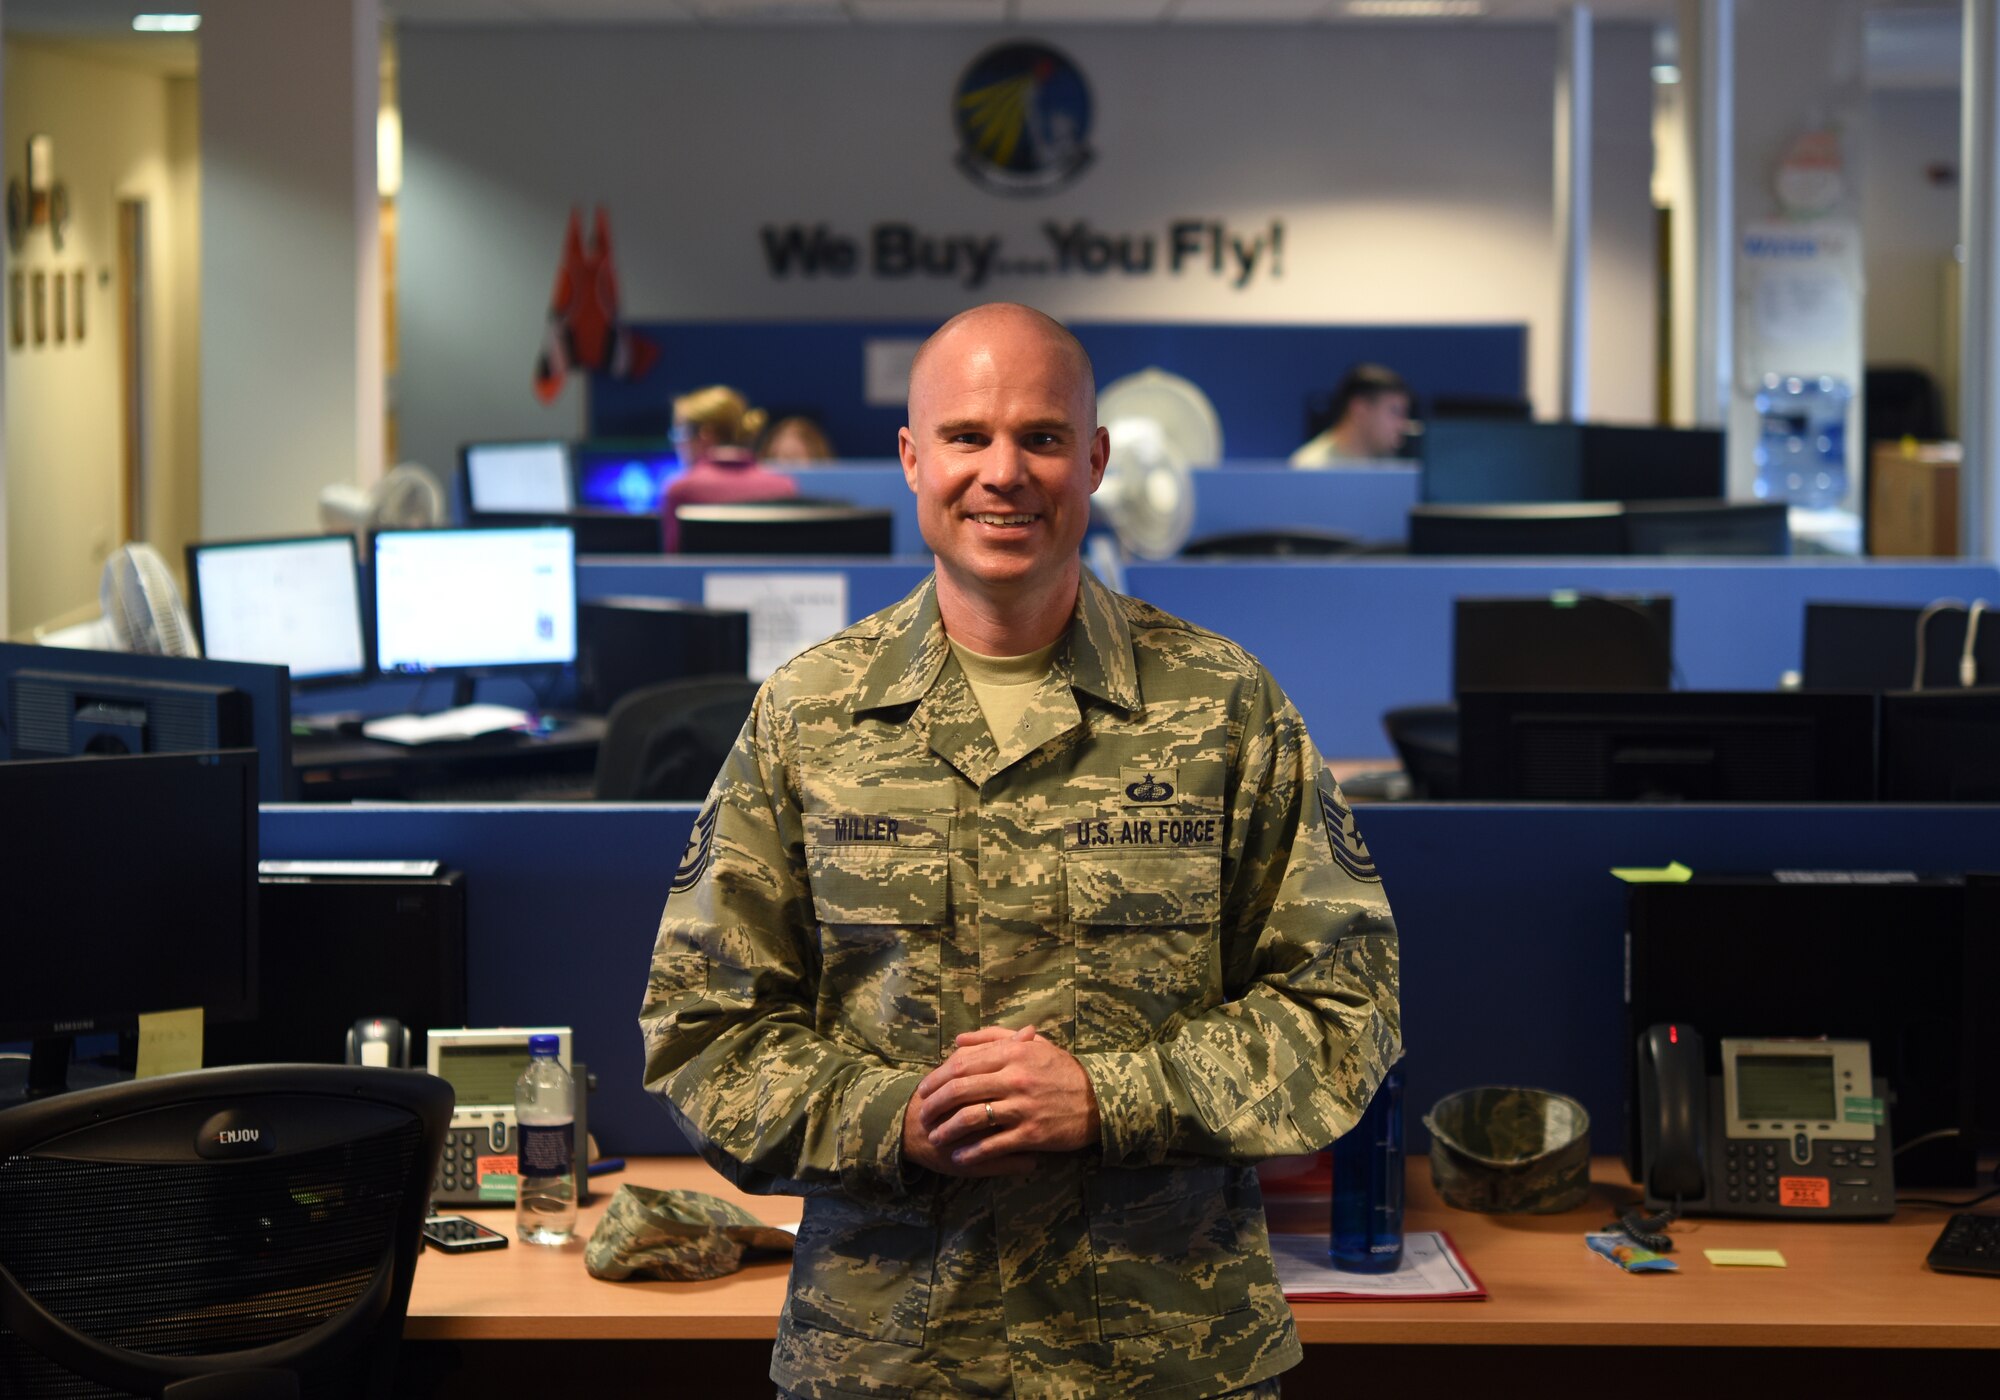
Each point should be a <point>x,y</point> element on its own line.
<point>1001,1099</point>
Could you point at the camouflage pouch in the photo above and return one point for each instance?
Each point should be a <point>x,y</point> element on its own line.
<point>679,1235</point>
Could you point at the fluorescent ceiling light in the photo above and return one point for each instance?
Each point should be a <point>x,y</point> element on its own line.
<point>166,24</point>
<point>1415,9</point>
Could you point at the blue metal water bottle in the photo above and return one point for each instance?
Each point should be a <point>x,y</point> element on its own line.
<point>1368,1184</point>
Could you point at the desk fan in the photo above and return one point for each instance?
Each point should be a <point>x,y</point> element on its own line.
<point>1161,427</point>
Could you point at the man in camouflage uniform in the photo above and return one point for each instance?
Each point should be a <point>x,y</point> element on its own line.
<point>1016,1011</point>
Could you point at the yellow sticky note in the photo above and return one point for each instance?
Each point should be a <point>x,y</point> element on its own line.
<point>1673,873</point>
<point>169,1042</point>
<point>1746,1258</point>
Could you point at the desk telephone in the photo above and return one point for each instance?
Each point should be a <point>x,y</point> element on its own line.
<point>481,1065</point>
<point>1790,1130</point>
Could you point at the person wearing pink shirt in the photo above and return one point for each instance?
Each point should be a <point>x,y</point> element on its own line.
<point>711,427</point>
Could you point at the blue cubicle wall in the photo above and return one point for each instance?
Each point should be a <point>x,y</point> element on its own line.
<point>1258,377</point>
<point>1512,929</point>
<point>1352,638</point>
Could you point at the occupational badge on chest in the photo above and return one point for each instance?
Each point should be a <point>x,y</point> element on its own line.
<point>1145,787</point>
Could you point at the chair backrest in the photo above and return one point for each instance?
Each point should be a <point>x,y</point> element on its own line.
<point>665,743</point>
<point>260,1223</point>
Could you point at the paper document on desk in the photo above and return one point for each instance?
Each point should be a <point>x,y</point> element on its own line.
<point>464,722</point>
<point>1431,1270</point>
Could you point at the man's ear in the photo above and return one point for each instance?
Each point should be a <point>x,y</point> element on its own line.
<point>906,449</point>
<point>1100,456</point>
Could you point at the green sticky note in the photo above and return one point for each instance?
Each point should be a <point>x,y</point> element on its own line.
<point>1673,873</point>
<point>1746,1258</point>
<point>495,1186</point>
<point>1863,1111</point>
<point>169,1042</point>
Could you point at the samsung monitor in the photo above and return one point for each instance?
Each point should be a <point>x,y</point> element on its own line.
<point>1875,646</point>
<point>517,478</point>
<point>628,478</point>
<point>786,527</point>
<point>1650,464</point>
<point>131,888</point>
<point>1680,746</point>
<point>1941,745</point>
<point>59,702</point>
<point>1573,529</point>
<point>290,602</point>
<point>474,602</point>
<point>1563,641</point>
<point>1740,528</point>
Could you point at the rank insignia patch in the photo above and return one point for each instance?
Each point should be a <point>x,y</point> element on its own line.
<point>701,850</point>
<point>1345,839</point>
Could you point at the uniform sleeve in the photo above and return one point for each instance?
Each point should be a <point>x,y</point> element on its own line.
<point>1312,1023</point>
<point>728,1014</point>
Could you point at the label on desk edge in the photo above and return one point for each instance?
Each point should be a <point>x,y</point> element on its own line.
<point>371,869</point>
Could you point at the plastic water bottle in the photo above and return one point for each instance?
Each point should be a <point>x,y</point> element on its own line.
<point>1802,439</point>
<point>545,1143</point>
<point>1368,1184</point>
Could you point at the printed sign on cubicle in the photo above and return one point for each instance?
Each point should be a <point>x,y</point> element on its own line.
<point>788,611</point>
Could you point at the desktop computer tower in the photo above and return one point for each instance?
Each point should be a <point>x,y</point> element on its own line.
<point>626,644</point>
<point>336,948</point>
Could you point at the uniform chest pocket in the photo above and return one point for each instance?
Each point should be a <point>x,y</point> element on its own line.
<point>881,913</point>
<point>1145,929</point>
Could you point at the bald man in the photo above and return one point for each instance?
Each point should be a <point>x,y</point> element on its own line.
<point>1022,921</point>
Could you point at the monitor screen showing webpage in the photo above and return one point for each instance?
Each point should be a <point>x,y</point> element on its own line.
<point>467,600</point>
<point>518,478</point>
<point>294,603</point>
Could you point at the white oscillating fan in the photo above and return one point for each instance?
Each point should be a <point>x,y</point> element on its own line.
<point>143,604</point>
<point>408,497</point>
<point>1161,427</point>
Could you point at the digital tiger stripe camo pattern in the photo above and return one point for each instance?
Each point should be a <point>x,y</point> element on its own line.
<point>1154,869</point>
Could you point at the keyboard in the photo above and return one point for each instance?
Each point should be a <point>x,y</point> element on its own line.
<point>1970,1244</point>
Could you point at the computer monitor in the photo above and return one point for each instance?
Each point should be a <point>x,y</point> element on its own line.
<point>131,887</point>
<point>1471,461</point>
<point>628,478</point>
<point>1650,464</point>
<point>1740,528</point>
<point>1873,646</point>
<point>1691,746</point>
<point>516,478</point>
<point>1563,641</point>
<point>1800,954</point>
<point>628,644</point>
<point>786,527</point>
<point>1574,528</point>
<point>60,702</point>
<point>474,602</point>
<point>1941,745</point>
<point>291,602</point>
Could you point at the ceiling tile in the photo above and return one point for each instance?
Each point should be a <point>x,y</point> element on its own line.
<point>929,11</point>
<point>1092,11</point>
<point>1251,11</point>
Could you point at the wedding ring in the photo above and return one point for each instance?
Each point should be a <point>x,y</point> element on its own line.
<point>991,1124</point>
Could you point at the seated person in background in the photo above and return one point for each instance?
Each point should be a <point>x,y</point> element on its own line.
<point>710,427</point>
<point>1371,412</point>
<point>795,441</point>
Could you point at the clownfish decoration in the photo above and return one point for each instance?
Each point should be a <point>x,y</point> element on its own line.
<point>583,329</point>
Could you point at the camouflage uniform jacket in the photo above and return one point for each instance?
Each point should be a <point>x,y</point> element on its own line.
<point>1155,870</point>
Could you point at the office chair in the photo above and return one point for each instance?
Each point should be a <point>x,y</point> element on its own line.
<point>665,743</point>
<point>225,1234</point>
<point>1426,741</point>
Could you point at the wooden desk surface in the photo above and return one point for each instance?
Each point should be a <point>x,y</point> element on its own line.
<point>1853,1285</point>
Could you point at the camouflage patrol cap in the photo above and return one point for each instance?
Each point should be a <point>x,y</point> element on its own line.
<point>1510,1151</point>
<point>647,1233</point>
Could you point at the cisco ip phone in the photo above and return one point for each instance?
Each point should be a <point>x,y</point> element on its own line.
<point>1790,1130</point>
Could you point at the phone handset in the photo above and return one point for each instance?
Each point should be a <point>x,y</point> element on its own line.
<point>1673,1113</point>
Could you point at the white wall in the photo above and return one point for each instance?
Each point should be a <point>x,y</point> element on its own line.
<point>1411,168</point>
<point>1909,225</point>
<point>110,126</point>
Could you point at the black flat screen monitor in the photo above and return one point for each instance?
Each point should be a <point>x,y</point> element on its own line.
<point>1801,954</point>
<point>1737,528</point>
<point>1873,646</point>
<point>131,887</point>
<point>786,527</point>
<point>516,478</point>
<point>1681,746</point>
<point>1563,641</point>
<point>474,602</point>
<point>1581,528</point>
<point>289,602</point>
<point>1473,461</point>
<point>626,478</point>
<point>58,702</point>
<point>1650,464</point>
<point>1941,745</point>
